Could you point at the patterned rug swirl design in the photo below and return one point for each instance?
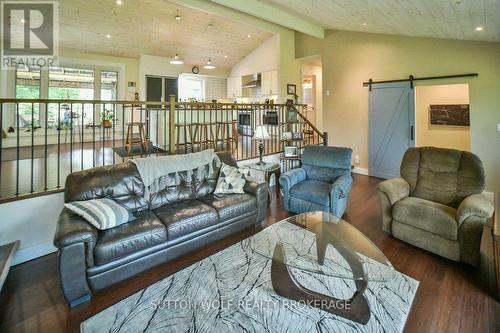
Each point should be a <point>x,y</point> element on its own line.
<point>231,291</point>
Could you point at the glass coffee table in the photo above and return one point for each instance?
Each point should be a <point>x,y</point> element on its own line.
<point>323,244</point>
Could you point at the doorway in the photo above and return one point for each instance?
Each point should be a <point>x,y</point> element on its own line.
<point>309,96</point>
<point>443,116</point>
<point>159,89</point>
<point>311,90</point>
<point>391,127</point>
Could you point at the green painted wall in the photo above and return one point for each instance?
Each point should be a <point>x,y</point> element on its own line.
<point>350,58</point>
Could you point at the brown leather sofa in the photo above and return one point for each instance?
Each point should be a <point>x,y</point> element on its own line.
<point>181,218</point>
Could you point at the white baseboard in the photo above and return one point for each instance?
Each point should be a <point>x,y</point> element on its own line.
<point>361,171</point>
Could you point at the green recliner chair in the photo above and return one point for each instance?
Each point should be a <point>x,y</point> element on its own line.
<point>438,203</point>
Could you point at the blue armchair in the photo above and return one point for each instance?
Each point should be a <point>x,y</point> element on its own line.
<point>322,183</point>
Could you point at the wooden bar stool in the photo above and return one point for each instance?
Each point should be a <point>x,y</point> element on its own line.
<point>132,140</point>
<point>203,135</point>
<point>187,130</point>
<point>221,133</point>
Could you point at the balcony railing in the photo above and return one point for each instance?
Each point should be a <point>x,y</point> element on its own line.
<point>36,158</point>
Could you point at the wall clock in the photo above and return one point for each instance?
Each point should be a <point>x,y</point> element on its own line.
<point>195,70</point>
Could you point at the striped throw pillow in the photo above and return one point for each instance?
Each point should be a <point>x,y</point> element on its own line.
<point>101,213</point>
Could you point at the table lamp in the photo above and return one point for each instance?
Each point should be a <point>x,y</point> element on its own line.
<point>261,134</point>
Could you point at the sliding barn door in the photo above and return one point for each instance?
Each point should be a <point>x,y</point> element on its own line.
<point>391,127</point>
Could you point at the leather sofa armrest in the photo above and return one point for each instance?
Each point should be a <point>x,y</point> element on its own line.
<point>73,229</point>
<point>290,178</point>
<point>477,205</point>
<point>341,187</point>
<point>395,189</point>
<point>260,190</point>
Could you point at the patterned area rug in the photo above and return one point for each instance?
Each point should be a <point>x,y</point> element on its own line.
<point>231,291</point>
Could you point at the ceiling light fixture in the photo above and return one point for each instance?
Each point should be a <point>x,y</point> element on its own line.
<point>119,2</point>
<point>178,17</point>
<point>225,57</point>
<point>249,36</point>
<point>176,60</point>
<point>364,24</point>
<point>23,21</point>
<point>209,65</point>
<point>479,28</point>
<point>108,36</point>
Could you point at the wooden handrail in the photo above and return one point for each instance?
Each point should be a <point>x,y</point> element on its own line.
<point>132,103</point>
<point>308,122</point>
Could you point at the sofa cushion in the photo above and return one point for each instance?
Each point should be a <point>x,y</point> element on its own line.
<point>120,182</point>
<point>229,206</point>
<point>427,215</point>
<point>313,191</point>
<point>186,217</point>
<point>144,232</point>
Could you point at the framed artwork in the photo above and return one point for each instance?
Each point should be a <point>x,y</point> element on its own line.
<point>449,115</point>
<point>296,135</point>
<point>291,89</point>
<point>291,151</point>
<point>286,136</point>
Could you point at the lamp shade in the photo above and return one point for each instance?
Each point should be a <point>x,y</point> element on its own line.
<point>261,133</point>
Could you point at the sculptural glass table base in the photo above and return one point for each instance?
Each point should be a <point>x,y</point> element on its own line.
<point>323,244</point>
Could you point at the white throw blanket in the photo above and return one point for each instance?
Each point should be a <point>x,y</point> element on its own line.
<point>152,168</point>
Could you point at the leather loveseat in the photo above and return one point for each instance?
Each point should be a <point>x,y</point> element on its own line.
<point>184,216</point>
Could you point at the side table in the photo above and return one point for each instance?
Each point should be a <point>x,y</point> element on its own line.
<point>268,170</point>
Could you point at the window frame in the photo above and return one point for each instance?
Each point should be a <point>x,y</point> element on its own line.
<point>94,65</point>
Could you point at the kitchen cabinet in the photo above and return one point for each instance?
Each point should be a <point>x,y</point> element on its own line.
<point>269,83</point>
<point>234,87</point>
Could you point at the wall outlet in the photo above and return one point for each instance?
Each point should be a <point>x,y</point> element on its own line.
<point>498,127</point>
<point>328,93</point>
<point>356,159</point>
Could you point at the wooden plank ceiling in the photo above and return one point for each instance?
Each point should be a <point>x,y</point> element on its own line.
<point>450,19</point>
<point>149,27</point>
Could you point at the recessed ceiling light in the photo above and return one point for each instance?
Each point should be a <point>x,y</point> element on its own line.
<point>364,24</point>
<point>119,2</point>
<point>178,17</point>
<point>209,65</point>
<point>479,28</point>
<point>225,57</point>
<point>249,36</point>
<point>108,36</point>
<point>23,21</point>
<point>177,60</point>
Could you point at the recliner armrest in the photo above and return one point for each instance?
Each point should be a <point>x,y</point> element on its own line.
<point>290,178</point>
<point>478,205</point>
<point>342,185</point>
<point>395,189</point>
<point>72,229</point>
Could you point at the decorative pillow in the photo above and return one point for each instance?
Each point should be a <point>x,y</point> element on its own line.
<point>101,213</point>
<point>231,180</point>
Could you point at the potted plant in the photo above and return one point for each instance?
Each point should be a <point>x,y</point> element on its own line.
<point>107,117</point>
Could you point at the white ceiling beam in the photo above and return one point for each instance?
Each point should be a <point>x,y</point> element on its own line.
<point>274,15</point>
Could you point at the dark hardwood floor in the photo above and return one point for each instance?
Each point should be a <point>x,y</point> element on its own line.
<point>448,298</point>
